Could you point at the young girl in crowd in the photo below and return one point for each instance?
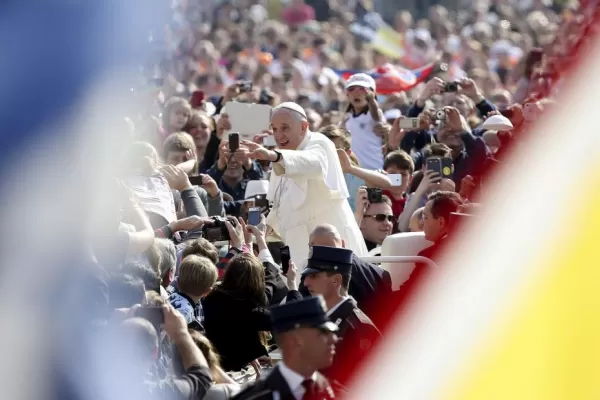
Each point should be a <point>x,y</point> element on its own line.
<point>200,126</point>
<point>175,115</point>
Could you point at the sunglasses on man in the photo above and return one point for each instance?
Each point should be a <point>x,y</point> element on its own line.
<point>381,217</point>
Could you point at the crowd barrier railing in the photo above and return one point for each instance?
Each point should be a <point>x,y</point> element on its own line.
<point>399,259</point>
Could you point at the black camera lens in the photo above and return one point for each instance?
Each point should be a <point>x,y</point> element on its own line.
<point>451,87</point>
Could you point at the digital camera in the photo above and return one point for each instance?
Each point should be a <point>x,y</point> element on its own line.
<point>217,230</point>
<point>374,195</point>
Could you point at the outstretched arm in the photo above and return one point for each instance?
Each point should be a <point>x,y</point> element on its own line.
<point>309,162</point>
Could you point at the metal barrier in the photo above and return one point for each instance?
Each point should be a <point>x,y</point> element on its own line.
<point>399,259</point>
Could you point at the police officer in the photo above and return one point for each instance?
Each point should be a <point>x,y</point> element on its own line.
<point>307,341</point>
<point>328,274</point>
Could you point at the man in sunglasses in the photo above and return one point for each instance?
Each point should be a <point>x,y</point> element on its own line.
<point>377,220</point>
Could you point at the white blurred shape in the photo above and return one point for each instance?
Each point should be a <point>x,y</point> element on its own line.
<point>495,257</point>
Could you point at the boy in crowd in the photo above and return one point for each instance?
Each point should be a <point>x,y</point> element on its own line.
<point>398,162</point>
<point>197,276</point>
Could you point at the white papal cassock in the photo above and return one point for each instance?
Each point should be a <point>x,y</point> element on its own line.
<point>307,189</point>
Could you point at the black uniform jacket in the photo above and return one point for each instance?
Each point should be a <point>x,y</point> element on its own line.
<point>275,387</point>
<point>356,336</point>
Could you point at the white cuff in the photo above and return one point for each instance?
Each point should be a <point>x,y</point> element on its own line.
<point>265,256</point>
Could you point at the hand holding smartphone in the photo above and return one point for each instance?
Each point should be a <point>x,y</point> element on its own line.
<point>409,123</point>
<point>234,142</point>
<point>254,216</point>
<point>396,179</point>
<point>285,259</point>
<point>443,166</point>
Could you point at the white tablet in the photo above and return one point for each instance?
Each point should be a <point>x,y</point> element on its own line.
<point>248,119</point>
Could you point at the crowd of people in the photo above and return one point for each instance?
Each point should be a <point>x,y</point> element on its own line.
<point>232,255</point>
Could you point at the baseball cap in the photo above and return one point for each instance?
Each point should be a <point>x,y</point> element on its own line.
<point>362,80</point>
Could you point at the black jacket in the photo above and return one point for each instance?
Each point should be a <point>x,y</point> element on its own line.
<point>233,324</point>
<point>265,388</point>
<point>357,334</point>
<point>369,283</point>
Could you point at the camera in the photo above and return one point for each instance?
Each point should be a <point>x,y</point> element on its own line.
<point>374,195</point>
<point>440,115</point>
<point>450,87</point>
<point>217,230</point>
<point>265,97</point>
<point>260,200</point>
<point>245,86</point>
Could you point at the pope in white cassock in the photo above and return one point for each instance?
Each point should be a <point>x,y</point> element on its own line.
<point>307,185</point>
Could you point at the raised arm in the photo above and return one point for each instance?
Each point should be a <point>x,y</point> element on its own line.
<point>309,162</point>
<point>373,178</point>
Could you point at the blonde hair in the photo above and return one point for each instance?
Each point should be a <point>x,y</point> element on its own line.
<point>154,299</point>
<point>208,350</point>
<point>179,141</point>
<point>169,106</point>
<point>196,275</point>
<point>333,132</point>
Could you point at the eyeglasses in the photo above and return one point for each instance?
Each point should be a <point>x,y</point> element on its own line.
<point>381,217</point>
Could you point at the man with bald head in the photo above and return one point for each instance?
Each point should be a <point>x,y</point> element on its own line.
<point>307,185</point>
<point>368,282</point>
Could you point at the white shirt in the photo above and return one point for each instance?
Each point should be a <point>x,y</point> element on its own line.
<point>365,143</point>
<point>332,309</point>
<point>294,380</point>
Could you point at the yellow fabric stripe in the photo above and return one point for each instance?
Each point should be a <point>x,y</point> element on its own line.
<point>550,347</point>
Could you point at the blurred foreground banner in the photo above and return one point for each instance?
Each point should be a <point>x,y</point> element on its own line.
<point>514,312</point>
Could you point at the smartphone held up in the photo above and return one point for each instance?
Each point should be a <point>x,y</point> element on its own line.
<point>234,141</point>
<point>443,166</point>
<point>285,259</point>
<point>254,216</point>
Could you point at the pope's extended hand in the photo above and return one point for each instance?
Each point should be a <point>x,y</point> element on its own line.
<point>258,152</point>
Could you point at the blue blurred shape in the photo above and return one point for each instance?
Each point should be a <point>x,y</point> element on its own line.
<point>51,50</point>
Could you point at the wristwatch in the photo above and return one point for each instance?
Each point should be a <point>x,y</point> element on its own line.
<point>278,156</point>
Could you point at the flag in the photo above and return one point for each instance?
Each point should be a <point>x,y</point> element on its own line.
<point>392,78</point>
<point>370,27</point>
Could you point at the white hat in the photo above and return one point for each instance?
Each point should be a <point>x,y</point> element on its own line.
<point>209,108</point>
<point>254,188</point>
<point>392,114</point>
<point>491,140</point>
<point>362,80</point>
<point>423,35</point>
<point>290,106</point>
<point>497,123</point>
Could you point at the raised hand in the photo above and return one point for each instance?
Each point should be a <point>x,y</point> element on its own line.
<point>176,177</point>
<point>395,135</point>
<point>344,160</point>
<point>258,152</point>
<point>223,125</point>
<point>467,186</point>
<point>223,154</point>
<point>210,185</point>
<point>236,233</point>
<point>469,88</point>
<point>433,87</point>
<point>430,182</point>
<point>454,121</point>
<point>189,223</point>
